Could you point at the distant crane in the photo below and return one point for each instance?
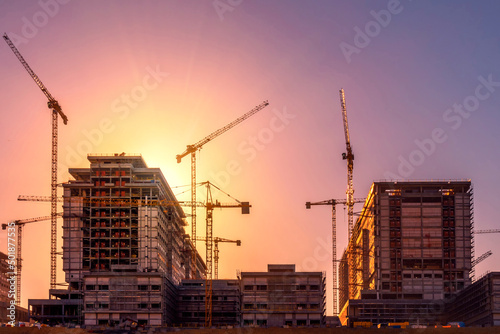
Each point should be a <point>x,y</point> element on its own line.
<point>20,224</point>
<point>333,203</point>
<point>486,231</point>
<point>472,273</point>
<point>56,110</point>
<point>210,205</point>
<point>216,251</point>
<point>192,149</point>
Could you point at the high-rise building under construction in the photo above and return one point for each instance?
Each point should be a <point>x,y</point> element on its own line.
<point>124,245</point>
<point>411,247</point>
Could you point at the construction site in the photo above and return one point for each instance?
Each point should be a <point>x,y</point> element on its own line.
<point>132,259</point>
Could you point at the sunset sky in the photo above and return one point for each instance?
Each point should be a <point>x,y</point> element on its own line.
<point>422,86</point>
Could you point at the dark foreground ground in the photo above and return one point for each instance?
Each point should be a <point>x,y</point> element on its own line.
<point>490,330</point>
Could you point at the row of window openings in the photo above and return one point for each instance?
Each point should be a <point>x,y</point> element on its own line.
<point>214,314</point>
<point>90,287</point>
<point>280,287</point>
<point>445,212</point>
<point>263,322</point>
<point>265,306</point>
<point>116,173</point>
<point>141,306</point>
<point>447,201</point>
<point>214,298</point>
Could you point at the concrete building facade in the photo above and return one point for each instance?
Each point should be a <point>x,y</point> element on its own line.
<point>123,236</point>
<point>283,297</point>
<point>226,303</point>
<point>412,243</point>
<point>478,304</point>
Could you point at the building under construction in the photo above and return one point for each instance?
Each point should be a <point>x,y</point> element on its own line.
<point>411,247</point>
<point>226,303</point>
<point>478,304</point>
<point>124,246</point>
<point>283,297</point>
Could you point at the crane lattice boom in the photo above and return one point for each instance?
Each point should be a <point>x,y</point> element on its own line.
<point>333,203</point>
<point>192,149</point>
<point>56,110</point>
<point>20,224</point>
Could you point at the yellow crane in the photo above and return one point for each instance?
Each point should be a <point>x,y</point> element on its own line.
<point>210,206</point>
<point>192,149</point>
<point>56,110</point>
<point>349,156</point>
<point>333,203</point>
<point>216,241</point>
<point>20,224</point>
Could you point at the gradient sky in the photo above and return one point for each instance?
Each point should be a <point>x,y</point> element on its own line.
<point>151,77</point>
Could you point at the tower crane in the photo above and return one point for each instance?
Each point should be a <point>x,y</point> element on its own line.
<point>216,241</point>
<point>210,206</point>
<point>20,224</point>
<point>476,261</point>
<point>333,203</point>
<point>192,149</point>
<point>486,231</point>
<point>56,111</point>
<point>349,156</point>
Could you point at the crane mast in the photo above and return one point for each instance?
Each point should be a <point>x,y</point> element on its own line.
<point>192,149</point>
<point>349,156</point>
<point>210,205</point>
<point>56,111</point>
<point>333,203</point>
<point>20,224</point>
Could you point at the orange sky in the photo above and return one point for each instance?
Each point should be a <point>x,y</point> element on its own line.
<point>151,77</point>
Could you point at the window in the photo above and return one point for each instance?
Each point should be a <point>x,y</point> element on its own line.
<point>89,306</point>
<point>261,287</point>
<point>406,275</point>
<point>103,306</point>
<point>186,297</point>
<point>155,287</point>
<point>301,306</point>
<point>247,306</point>
<point>143,288</point>
<point>438,276</point>
<point>427,275</point>
<point>301,287</point>
<point>314,322</point>
<point>156,305</point>
<point>186,314</point>
<point>89,287</point>
<point>314,306</point>
<point>314,287</point>
<point>262,306</point>
<point>417,276</point>
<point>288,323</point>
<point>247,322</point>
<point>248,287</point>
<point>103,287</point>
<point>142,306</point>
<point>262,322</point>
<point>301,322</point>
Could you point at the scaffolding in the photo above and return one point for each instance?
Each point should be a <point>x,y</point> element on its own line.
<point>413,241</point>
